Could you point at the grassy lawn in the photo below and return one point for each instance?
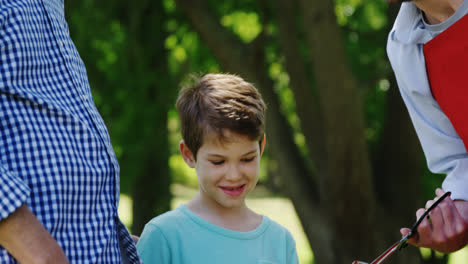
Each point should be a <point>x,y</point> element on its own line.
<point>278,209</point>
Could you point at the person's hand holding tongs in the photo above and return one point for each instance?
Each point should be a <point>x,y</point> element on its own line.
<point>402,243</point>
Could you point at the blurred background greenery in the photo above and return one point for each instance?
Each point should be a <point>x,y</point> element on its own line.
<point>343,169</point>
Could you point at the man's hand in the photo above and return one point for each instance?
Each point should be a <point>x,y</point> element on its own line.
<point>447,228</point>
<point>26,239</point>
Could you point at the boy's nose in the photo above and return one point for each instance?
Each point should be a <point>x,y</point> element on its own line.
<point>233,174</point>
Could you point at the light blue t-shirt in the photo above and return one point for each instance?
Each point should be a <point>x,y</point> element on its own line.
<point>181,236</point>
<point>443,147</point>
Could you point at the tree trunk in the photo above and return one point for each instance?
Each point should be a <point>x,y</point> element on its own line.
<point>148,63</point>
<point>150,192</point>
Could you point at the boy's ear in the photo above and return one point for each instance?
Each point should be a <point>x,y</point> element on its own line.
<point>186,154</point>
<point>262,147</point>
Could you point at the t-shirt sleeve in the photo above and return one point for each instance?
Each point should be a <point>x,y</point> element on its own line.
<point>13,192</point>
<point>291,247</point>
<point>152,246</point>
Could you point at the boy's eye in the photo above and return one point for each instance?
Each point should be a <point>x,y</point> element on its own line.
<point>217,162</point>
<point>248,159</point>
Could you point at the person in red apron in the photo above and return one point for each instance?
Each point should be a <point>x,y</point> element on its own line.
<point>426,51</point>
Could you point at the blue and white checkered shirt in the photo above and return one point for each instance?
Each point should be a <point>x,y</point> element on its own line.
<point>55,152</point>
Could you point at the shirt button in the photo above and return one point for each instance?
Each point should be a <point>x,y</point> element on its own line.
<point>60,43</point>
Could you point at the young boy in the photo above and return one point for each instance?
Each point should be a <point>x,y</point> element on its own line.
<point>222,121</point>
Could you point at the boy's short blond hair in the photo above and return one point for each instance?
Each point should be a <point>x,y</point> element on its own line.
<point>219,102</point>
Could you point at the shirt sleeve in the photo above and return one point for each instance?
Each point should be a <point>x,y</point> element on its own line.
<point>13,192</point>
<point>153,247</point>
<point>127,243</point>
<point>444,150</point>
<point>292,253</point>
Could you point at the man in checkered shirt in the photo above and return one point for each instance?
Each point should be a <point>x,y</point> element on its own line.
<point>59,178</point>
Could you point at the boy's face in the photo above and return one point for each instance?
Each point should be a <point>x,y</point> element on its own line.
<point>226,171</point>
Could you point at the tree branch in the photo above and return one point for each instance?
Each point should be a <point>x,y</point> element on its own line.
<point>228,49</point>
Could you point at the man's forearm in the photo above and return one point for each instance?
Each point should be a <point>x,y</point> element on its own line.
<point>26,239</point>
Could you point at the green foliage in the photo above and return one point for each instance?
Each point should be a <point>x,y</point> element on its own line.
<point>288,103</point>
<point>244,24</point>
<point>174,131</point>
<point>364,15</point>
<point>344,9</point>
<point>374,14</point>
<point>181,172</point>
<point>108,49</point>
<point>365,29</point>
<point>375,106</point>
<point>263,173</point>
<point>169,6</point>
<point>186,53</point>
<point>222,8</point>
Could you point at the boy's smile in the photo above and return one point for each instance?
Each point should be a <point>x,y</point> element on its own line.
<point>233,191</point>
<point>227,170</point>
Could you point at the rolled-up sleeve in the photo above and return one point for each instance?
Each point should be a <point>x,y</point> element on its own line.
<point>13,192</point>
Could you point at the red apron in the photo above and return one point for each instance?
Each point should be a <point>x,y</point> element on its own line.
<point>447,69</point>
